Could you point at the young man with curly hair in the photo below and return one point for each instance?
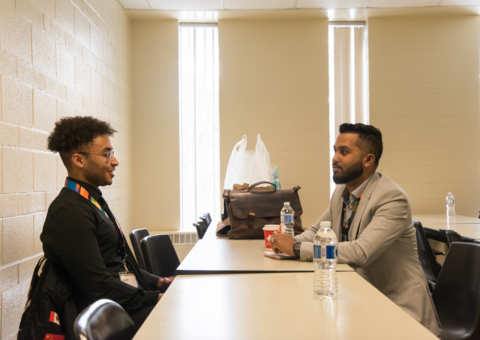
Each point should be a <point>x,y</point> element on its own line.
<point>81,235</point>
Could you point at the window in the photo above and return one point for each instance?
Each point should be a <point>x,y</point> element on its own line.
<point>199,123</point>
<point>348,77</point>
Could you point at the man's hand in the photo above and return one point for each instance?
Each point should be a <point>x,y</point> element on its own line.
<point>282,243</point>
<point>159,297</point>
<point>164,282</point>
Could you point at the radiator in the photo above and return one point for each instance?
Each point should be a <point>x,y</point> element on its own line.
<point>180,237</point>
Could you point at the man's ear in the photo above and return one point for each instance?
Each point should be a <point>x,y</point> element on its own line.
<point>369,160</point>
<point>78,161</point>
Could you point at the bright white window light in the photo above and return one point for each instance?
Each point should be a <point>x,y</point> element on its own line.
<point>348,78</point>
<point>199,123</point>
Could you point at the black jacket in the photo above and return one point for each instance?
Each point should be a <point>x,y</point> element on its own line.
<point>83,242</point>
<point>50,295</point>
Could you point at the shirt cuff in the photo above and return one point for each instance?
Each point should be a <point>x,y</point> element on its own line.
<point>306,251</point>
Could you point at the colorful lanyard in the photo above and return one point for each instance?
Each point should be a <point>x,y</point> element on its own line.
<point>346,227</point>
<point>85,194</point>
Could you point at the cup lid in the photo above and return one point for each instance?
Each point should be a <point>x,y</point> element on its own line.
<point>271,227</point>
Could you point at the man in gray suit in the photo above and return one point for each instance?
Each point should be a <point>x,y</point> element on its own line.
<point>372,218</point>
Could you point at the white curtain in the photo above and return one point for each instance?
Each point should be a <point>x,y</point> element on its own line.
<point>199,124</point>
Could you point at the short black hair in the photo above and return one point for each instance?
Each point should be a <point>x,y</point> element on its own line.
<point>73,133</point>
<point>369,138</point>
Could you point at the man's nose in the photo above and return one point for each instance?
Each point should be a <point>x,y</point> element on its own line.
<point>114,161</point>
<point>335,158</point>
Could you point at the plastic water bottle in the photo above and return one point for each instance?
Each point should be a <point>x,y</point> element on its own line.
<point>325,284</point>
<point>287,219</point>
<point>450,201</point>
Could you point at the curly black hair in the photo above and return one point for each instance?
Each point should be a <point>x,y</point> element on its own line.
<point>71,134</point>
<point>369,138</point>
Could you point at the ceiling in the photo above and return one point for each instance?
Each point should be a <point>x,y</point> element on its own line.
<point>248,5</point>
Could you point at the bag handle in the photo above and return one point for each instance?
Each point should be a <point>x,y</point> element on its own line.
<point>263,182</point>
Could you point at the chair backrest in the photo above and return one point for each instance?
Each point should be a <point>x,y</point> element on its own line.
<point>208,218</point>
<point>135,237</point>
<point>104,320</point>
<point>205,221</point>
<point>425,254</point>
<point>160,256</point>
<point>457,293</point>
<point>200,232</point>
<point>451,236</point>
<point>203,225</point>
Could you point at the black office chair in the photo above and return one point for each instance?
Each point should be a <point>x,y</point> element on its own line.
<point>203,225</point>
<point>451,236</point>
<point>135,237</point>
<point>160,256</point>
<point>208,218</point>
<point>430,266</point>
<point>200,232</point>
<point>104,320</point>
<point>205,221</point>
<point>457,293</point>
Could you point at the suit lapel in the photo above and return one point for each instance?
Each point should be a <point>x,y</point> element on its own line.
<point>337,202</point>
<point>363,204</point>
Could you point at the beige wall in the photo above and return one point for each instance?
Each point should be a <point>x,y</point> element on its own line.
<point>424,96</point>
<point>274,81</point>
<point>156,130</point>
<point>62,58</point>
<point>57,58</point>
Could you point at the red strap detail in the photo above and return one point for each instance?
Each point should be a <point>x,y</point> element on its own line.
<point>49,336</point>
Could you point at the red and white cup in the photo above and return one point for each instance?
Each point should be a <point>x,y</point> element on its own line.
<point>268,230</point>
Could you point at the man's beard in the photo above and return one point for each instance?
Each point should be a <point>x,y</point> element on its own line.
<point>348,175</point>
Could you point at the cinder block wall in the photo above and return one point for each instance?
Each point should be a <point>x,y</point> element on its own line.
<point>57,58</point>
<point>424,96</point>
<point>274,82</point>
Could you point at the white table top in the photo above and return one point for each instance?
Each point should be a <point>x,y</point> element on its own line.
<point>239,256</point>
<point>442,218</point>
<point>276,306</point>
<point>211,233</point>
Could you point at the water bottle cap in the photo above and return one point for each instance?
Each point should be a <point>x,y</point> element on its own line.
<point>286,203</point>
<point>449,193</point>
<point>325,224</point>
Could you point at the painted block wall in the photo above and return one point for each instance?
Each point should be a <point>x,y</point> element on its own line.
<point>424,96</point>
<point>156,125</point>
<point>58,58</point>
<point>274,82</point>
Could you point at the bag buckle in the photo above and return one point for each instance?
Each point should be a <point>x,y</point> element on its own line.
<point>251,219</point>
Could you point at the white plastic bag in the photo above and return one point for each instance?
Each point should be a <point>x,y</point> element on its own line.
<point>248,166</point>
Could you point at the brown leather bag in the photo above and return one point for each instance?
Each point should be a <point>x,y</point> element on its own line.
<point>249,211</point>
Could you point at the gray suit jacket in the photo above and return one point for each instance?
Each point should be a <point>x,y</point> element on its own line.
<point>385,250</point>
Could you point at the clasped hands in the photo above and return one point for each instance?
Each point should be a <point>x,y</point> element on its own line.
<point>282,243</point>
<point>163,283</point>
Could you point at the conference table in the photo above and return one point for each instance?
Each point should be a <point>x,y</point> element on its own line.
<point>224,256</point>
<point>227,289</point>
<point>276,306</point>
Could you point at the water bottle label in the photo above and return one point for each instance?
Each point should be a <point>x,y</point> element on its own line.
<point>316,252</point>
<point>287,219</point>
<point>450,201</point>
<point>332,252</point>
